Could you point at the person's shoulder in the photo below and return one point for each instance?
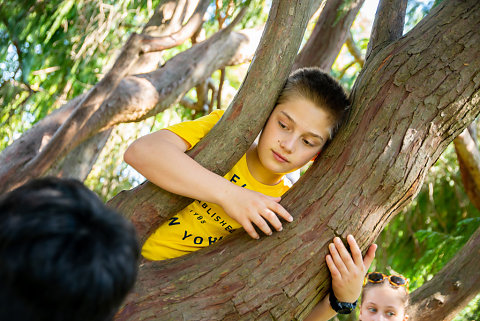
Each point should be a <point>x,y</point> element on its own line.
<point>218,112</point>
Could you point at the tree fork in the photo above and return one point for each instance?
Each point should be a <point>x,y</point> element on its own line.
<point>412,98</point>
<point>240,124</point>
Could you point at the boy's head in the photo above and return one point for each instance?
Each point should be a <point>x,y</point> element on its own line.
<point>309,111</point>
<point>64,255</point>
<point>384,297</point>
<point>318,87</point>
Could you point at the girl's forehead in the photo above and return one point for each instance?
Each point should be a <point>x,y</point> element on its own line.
<point>384,295</point>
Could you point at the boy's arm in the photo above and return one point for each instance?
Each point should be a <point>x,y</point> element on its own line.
<point>161,158</point>
<point>348,272</point>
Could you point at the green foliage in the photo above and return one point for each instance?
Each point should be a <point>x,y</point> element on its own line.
<point>433,228</point>
<point>52,51</point>
<point>471,312</point>
<point>416,10</point>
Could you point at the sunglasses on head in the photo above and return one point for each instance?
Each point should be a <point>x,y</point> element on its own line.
<point>395,280</point>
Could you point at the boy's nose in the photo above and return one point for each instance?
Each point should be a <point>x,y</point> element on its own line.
<point>288,144</point>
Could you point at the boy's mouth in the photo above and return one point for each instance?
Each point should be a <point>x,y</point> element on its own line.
<point>279,157</point>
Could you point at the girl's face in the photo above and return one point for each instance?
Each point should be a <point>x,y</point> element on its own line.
<point>295,132</point>
<point>382,302</point>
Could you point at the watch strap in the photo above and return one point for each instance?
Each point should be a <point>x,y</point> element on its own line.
<point>341,307</point>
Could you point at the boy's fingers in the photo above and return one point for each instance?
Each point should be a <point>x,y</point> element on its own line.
<point>337,259</point>
<point>367,261</point>
<point>262,225</point>
<point>280,210</point>
<point>248,227</point>
<point>273,219</point>
<point>355,250</point>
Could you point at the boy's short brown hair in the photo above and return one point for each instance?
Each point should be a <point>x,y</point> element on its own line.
<point>319,87</point>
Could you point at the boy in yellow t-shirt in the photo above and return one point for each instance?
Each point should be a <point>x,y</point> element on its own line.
<point>203,223</point>
<point>308,113</point>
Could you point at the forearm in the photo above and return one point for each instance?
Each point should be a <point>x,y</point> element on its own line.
<point>163,163</point>
<point>322,311</point>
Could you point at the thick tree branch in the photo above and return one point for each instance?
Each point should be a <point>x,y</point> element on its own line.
<point>65,134</point>
<point>59,144</point>
<point>152,43</point>
<point>451,289</point>
<point>354,51</point>
<point>329,35</point>
<point>468,157</point>
<point>80,161</point>
<point>387,26</point>
<point>138,97</point>
<point>23,149</point>
<point>66,138</point>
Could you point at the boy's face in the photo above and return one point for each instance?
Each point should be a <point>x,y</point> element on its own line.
<point>295,132</point>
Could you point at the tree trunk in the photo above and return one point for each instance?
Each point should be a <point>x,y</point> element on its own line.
<point>329,35</point>
<point>411,99</point>
<point>80,161</point>
<point>388,24</point>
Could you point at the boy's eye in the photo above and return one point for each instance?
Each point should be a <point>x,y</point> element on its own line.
<point>373,310</point>
<point>390,313</point>
<point>282,125</point>
<point>307,142</point>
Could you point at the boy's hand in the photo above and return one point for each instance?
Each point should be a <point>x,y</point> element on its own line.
<point>348,271</point>
<point>248,207</point>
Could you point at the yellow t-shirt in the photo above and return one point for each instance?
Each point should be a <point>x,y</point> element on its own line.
<point>201,224</point>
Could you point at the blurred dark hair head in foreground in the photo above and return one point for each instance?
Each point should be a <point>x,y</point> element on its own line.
<point>63,254</point>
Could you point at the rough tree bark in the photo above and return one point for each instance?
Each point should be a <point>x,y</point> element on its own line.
<point>411,99</point>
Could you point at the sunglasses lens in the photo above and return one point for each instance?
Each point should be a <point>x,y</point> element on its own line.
<point>397,280</point>
<point>375,277</point>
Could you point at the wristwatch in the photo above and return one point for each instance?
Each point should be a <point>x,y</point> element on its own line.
<point>341,307</point>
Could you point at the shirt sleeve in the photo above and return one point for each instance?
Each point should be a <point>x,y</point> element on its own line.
<point>194,130</point>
